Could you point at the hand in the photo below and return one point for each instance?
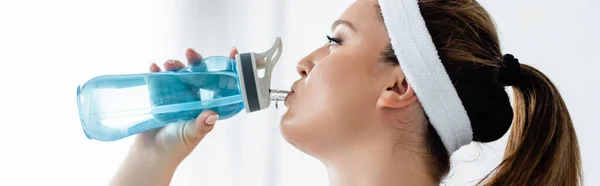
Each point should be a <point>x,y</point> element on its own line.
<point>156,153</point>
<point>175,141</point>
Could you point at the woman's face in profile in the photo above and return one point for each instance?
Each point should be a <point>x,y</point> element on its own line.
<point>334,104</point>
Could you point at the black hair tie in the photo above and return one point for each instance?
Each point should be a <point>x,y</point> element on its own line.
<point>511,73</point>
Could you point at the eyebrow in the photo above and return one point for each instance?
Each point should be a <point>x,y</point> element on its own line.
<point>343,22</point>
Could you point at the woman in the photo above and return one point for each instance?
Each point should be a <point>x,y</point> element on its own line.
<point>397,89</point>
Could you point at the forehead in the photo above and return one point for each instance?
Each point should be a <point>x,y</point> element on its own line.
<point>363,14</point>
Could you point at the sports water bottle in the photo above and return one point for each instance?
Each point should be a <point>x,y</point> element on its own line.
<point>112,107</point>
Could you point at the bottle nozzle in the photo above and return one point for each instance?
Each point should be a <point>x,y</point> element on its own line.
<point>278,95</point>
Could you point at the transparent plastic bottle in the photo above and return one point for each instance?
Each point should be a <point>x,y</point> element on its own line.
<point>113,107</point>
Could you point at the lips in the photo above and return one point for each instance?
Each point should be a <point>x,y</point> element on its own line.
<point>292,92</point>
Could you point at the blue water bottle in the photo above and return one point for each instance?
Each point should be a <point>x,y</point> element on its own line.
<point>112,107</point>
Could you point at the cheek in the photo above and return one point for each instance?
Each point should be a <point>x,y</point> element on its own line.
<point>330,105</point>
<point>336,83</point>
<point>336,87</point>
<point>322,97</point>
<point>347,83</point>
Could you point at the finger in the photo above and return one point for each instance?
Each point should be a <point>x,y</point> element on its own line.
<point>192,56</point>
<point>233,52</point>
<point>154,68</point>
<point>203,124</point>
<point>173,65</point>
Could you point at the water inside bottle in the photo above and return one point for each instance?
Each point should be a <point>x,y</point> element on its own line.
<point>113,107</point>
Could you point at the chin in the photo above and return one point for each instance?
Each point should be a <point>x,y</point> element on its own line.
<point>287,127</point>
<point>303,134</point>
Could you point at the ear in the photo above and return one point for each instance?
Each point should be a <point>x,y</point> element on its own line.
<point>398,93</point>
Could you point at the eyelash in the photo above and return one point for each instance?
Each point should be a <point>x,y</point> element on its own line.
<point>334,40</point>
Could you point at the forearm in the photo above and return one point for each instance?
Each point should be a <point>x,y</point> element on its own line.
<point>145,167</point>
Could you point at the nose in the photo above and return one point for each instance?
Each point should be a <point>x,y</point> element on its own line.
<point>304,67</point>
<point>306,64</point>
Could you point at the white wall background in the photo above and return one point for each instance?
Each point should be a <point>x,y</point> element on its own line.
<point>47,48</point>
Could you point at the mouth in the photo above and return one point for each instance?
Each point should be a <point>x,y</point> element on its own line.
<point>292,92</point>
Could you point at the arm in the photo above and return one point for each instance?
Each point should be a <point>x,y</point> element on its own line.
<point>144,168</point>
<point>156,154</point>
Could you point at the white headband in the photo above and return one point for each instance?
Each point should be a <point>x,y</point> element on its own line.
<point>423,68</point>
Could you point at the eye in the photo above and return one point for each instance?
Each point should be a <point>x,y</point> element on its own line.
<point>334,41</point>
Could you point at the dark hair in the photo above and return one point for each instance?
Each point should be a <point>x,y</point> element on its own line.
<point>542,148</point>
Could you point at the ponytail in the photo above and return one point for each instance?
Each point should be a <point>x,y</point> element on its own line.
<point>542,148</point>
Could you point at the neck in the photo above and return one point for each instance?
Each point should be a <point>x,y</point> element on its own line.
<point>378,167</point>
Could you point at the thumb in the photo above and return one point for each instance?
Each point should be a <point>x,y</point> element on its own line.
<point>195,130</point>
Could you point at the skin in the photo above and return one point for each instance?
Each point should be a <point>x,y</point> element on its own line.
<point>355,113</point>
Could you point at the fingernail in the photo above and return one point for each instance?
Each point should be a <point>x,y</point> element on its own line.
<point>171,61</point>
<point>192,55</point>
<point>192,52</point>
<point>211,120</point>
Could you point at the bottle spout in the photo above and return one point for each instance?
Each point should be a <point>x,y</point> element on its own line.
<point>278,95</point>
